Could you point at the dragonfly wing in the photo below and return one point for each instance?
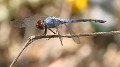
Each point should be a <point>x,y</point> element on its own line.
<point>32,20</point>
<point>76,39</point>
<point>59,36</point>
<point>17,23</point>
<point>29,21</point>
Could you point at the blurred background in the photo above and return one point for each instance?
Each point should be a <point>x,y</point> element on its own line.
<point>100,51</point>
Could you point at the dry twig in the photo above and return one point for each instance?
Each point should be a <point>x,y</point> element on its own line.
<point>32,38</point>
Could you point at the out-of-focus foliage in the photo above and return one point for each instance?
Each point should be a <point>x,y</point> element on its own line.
<point>78,4</point>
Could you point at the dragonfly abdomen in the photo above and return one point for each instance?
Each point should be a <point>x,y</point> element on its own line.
<point>88,20</point>
<point>81,20</point>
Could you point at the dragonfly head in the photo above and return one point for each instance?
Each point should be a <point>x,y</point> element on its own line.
<point>40,25</point>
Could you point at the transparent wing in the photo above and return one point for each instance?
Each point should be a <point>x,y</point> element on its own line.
<point>76,39</point>
<point>29,21</point>
<point>59,36</point>
<point>17,23</point>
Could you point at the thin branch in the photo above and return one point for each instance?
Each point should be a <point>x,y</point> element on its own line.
<point>81,34</point>
<point>29,41</point>
<point>32,38</point>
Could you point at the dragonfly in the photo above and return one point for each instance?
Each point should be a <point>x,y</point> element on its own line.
<point>48,22</point>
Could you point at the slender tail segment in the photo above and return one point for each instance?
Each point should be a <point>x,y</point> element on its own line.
<point>88,20</point>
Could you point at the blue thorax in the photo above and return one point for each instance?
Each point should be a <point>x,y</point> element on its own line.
<point>53,21</point>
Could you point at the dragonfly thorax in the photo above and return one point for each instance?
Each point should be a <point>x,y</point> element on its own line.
<point>52,22</point>
<point>40,25</point>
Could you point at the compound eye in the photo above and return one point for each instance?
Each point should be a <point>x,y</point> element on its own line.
<point>40,25</point>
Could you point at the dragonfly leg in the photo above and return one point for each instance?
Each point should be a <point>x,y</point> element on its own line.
<point>46,31</point>
<point>51,30</point>
<point>58,32</point>
<point>44,34</point>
